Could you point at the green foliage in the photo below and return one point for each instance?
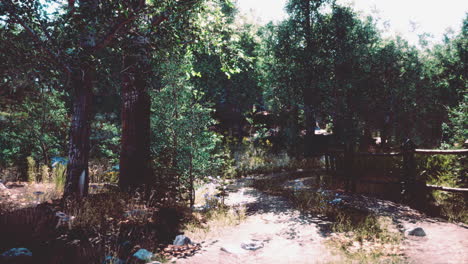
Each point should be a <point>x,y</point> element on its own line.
<point>444,170</point>
<point>447,170</point>
<point>183,145</point>
<point>456,131</point>
<point>105,138</point>
<point>38,128</point>
<point>228,97</point>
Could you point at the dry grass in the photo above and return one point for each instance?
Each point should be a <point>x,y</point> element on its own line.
<point>213,222</point>
<point>96,227</point>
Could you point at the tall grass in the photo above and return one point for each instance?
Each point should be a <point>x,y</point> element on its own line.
<point>58,176</point>
<point>31,172</point>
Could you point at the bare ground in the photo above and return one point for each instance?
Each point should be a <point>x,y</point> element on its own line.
<point>286,235</point>
<point>445,242</point>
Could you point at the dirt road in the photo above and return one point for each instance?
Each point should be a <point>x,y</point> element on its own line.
<point>284,235</point>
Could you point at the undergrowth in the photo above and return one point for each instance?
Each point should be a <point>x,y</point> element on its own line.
<point>251,158</point>
<point>111,224</point>
<point>448,171</point>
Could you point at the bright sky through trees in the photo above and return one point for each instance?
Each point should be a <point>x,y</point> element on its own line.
<point>406,17</point>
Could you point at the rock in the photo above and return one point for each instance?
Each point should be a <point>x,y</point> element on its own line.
<point>17,256</point>
<point>143,255</point>
<point>336,201</point>
<point>418,231</point>
<point>2,187</point>
<point>16,252</point>
<point>135,213</point>
<point>252,246</point>
<point>181,240</point>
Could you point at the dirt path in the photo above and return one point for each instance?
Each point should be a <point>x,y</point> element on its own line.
<point>289,237</point>
<point>444,243</point>
<point>285,235</point>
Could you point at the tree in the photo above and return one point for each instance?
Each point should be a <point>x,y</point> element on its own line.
<point>76,57</point>
<point>304,18</point>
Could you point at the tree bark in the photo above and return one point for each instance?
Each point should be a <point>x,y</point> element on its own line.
<point>135,169</point>
<point>82,78</point>
<point>308,89</point>
<point>80,130</point>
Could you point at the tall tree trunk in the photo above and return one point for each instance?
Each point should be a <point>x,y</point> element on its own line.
<point>77,171</point>
<point>135,169</point>
<point>308,89</point>
<point>82,78</point>
<point>191,178</point>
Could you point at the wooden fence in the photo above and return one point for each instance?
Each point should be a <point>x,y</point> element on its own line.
<point>344,163</point>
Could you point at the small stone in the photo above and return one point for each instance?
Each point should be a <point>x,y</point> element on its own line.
<point>143,254</point>
<point>418,231</point>
<point>17,256</point>
<point>17,252</point>
<point>252,246</point>
<point>113,260</point>
<point>181,240</point>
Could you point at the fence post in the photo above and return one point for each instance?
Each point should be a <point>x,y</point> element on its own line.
<point>352,167</point>
<point>408,180</point>
<point>327,162</point>
<point>348,162</point>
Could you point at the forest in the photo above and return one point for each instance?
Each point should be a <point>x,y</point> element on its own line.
<point>126,123</point>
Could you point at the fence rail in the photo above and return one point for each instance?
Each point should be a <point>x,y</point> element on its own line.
<point>447,189</point>
<point>441,152</point>
<point>345,162</point>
